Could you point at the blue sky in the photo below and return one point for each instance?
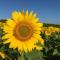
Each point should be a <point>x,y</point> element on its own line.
<point>47,10</point>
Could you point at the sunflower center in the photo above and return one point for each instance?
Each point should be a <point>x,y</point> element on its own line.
<point>23,31</point>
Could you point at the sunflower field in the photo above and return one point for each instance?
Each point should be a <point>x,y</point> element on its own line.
<point>24,37</point>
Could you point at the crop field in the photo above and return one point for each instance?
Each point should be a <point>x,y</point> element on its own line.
<point>50,33</point>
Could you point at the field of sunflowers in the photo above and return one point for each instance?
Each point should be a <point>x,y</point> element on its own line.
<point>47,48</point>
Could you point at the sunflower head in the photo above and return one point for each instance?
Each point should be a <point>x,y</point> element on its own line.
<point>23,31</point>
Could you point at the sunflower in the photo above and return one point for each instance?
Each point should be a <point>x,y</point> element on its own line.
<point>22,31</point>
<point>1,24</point>
<point>2,54</point>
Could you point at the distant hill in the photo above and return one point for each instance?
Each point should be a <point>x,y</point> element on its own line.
<point>45,24</point>
<point>54,25</point>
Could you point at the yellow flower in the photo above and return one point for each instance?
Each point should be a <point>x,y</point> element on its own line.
<point>44,29</point>
<point>49,30</point>
<point>56,29</point>
<point>41,42</point>
<point>1,24</point>
<point>23,31</point>
<point>2,54</point>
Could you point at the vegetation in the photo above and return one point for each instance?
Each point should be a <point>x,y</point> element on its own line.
<point>51,49</point>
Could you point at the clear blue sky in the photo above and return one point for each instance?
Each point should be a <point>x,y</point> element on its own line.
<point>47,10</point>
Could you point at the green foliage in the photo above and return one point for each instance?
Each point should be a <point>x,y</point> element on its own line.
<point>54,25</point>
<point>34,55</point>
<point>52,44</point>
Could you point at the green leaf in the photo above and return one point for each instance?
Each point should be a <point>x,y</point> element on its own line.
<point>55,52</point>
<point>34,55</point>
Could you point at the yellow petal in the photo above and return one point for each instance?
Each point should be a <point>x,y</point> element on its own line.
<point>7,29</point>
<point>37,29</point>
<point>23,13</point>
<point>36,20</point>
<point>7,36</point>
<point>11,23</point>
<point>21,16</point>
<point>38,47</point>
<point>31,13</point>
<point>25,47</point>
<point>26,15</point>
<point>37,32</point>
<point>39,24</point>
<point>37,36</point>
<point>41,41</point>
<point>2,54</point>
<point>7,41</point>
<point>15,15</point>
<point>35,15</point>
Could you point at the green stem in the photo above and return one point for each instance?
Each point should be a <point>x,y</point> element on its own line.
<point>22,56</point>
